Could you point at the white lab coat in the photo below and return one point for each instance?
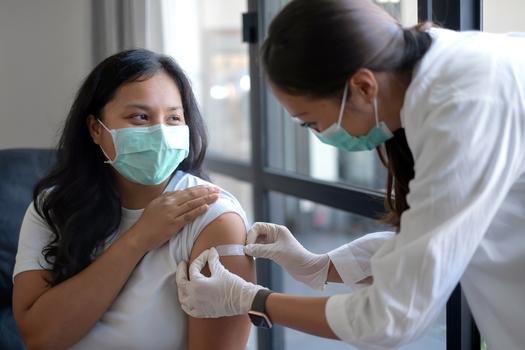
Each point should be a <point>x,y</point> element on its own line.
<point>464,118</point>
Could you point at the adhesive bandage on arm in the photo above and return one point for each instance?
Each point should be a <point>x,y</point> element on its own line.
<point>230,250</point>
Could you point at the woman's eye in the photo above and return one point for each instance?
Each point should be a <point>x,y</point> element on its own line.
<point>139,117</point>
<point>307,124</point>
<point>174,118</point>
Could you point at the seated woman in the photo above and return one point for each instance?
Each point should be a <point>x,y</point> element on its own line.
<point>94,270</point>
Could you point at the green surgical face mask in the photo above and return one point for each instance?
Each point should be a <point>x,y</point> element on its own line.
<point>149,155</point>
<point>337,136</point>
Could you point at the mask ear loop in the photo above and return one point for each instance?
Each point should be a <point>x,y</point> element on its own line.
<point>343,104</point>
<point>108,161</point>
<point>382,147</point>
<point>374,102</point>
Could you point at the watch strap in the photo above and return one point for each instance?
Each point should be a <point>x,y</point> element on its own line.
<point>259,301</point>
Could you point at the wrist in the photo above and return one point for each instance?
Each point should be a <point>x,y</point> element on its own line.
<point>258,313</point>
<point>248,293</point>
<point>131,240</point>
<point>314,273</point>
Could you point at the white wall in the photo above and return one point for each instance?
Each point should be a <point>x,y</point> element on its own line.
<point>500,16</point>
<point>45,52</point>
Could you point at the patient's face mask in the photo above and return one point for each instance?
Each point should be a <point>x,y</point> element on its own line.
<point>337,136</point>
<point>149,155</point>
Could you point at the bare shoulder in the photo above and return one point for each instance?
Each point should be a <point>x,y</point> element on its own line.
<point>227,228</point>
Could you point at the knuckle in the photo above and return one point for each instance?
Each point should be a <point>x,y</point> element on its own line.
<point>178,223</point>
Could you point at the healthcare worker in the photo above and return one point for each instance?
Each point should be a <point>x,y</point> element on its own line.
<point>449,109</point>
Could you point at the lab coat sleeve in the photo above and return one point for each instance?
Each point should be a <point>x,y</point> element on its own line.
<point>352,260</point>
<point>468,153</point>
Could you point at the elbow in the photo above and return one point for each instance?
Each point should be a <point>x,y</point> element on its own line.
<point>401,331</point>
<point>36,343</point>
<point>387,330</point>
<point>43,340</point>
<point>42,335</point>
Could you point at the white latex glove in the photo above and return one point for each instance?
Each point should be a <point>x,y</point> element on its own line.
<point>221,294</point>
<point>277,243</point>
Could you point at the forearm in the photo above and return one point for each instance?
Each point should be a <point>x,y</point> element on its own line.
<point>306,314</point>
<point>67,312</point>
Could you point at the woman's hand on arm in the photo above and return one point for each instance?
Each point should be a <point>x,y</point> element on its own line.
<point>225,332</point>
<point>167,214</point>
<point>56,317</point>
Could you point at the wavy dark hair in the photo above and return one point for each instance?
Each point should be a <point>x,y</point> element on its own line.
<point>313,46</point>
<point>78,199</point>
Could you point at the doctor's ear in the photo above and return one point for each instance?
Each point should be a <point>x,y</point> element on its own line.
<point>363,84</point>
<point>95,129</point>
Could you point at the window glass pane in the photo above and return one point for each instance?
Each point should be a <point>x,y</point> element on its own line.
<point>320,228</point>
<point>204,36</point>
<point>295,149</point>
<point>501,16</point>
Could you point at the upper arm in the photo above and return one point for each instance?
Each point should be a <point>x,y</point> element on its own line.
<point>224,332</point>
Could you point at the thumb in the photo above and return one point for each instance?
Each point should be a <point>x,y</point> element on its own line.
<point>260,250</point>
<point>214,263</point>
<point>198,264</point>
<point>181,275</point>
<point>262,232</point>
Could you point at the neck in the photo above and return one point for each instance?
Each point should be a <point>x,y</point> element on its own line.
<point>394,88</point>
<point>137,196</point>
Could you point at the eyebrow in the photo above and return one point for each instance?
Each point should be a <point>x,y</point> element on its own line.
<point>299,114</point>
<point>147,108</point>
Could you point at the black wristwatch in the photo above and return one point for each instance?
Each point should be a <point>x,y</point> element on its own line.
<point>257,313</point>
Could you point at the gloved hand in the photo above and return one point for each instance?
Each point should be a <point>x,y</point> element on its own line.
<point>221,294</point>
<point>277,243</point>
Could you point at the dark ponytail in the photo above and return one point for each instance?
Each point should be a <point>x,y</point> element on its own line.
<point>399,160</point>
<point>313,46</point>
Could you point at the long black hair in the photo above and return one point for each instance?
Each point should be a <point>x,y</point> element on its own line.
<point>313,46</point>
<point>78,199</point>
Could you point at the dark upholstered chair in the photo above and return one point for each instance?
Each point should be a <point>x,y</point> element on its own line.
<point>20,169</point>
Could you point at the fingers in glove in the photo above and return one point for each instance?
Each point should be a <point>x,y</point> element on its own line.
<point>181,276</point>
<point>262,232</point>
<point>198,264</point>
<point>260,250</point>
<point>214,264</point>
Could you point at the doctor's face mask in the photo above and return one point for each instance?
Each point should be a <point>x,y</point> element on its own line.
<point>338,137</point>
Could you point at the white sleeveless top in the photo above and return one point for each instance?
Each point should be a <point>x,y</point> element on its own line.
<point>146,314</point>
